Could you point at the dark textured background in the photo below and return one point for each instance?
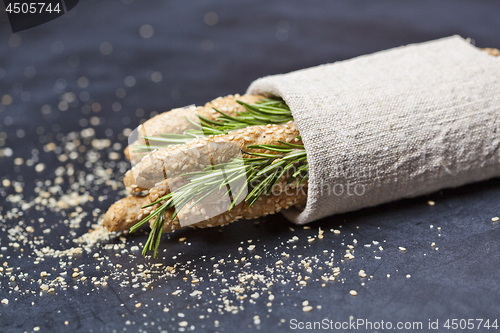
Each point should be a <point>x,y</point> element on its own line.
<point>199,62</point>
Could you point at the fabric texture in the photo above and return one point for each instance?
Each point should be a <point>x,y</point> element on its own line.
<point>394,124</point>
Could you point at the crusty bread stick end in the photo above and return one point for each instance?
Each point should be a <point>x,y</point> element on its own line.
<point>123,214</point>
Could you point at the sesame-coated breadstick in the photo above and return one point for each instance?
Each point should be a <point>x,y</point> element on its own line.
<point>123,213</point>
<point>265,205</point>
<point>175,121</point>
<point>195,155</point>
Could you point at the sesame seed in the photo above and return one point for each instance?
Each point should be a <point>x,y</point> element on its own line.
<point>307,308</point>
<point>495,219</point>
<point>353,293</point>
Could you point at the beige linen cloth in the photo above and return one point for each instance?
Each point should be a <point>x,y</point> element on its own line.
<point>395,124</point>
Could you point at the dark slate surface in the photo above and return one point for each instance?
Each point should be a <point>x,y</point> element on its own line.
<point>199,62</point>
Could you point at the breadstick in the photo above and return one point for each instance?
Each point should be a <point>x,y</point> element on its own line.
<point>491,51</point>
<point>124,213</point>
<point>193,156</point>
<point>175,121</point>
<point>265,205</point>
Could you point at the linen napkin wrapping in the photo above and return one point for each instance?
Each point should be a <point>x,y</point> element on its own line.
<point>394,124</point>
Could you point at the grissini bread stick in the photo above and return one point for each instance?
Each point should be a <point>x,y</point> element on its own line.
<point>181,119</point>
<point>123,214</point>
<point>491,51</point>
<point>197,154</point>
<point>128,211</point>
<point>265,205</point>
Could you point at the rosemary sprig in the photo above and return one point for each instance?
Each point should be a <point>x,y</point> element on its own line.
<point>168,139</point>
<point>266,111</point>
<point>258,175</point>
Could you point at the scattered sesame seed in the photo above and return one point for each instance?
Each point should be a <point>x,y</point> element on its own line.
<point>431,203</point>
<point>353,293</point>
<point>183,323</point>
<point>402,248</point>
<point>362,273</point>
<point>495,219</point>
<point>307,308</point>
<point>5,301</point>
<point>138,305</point>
